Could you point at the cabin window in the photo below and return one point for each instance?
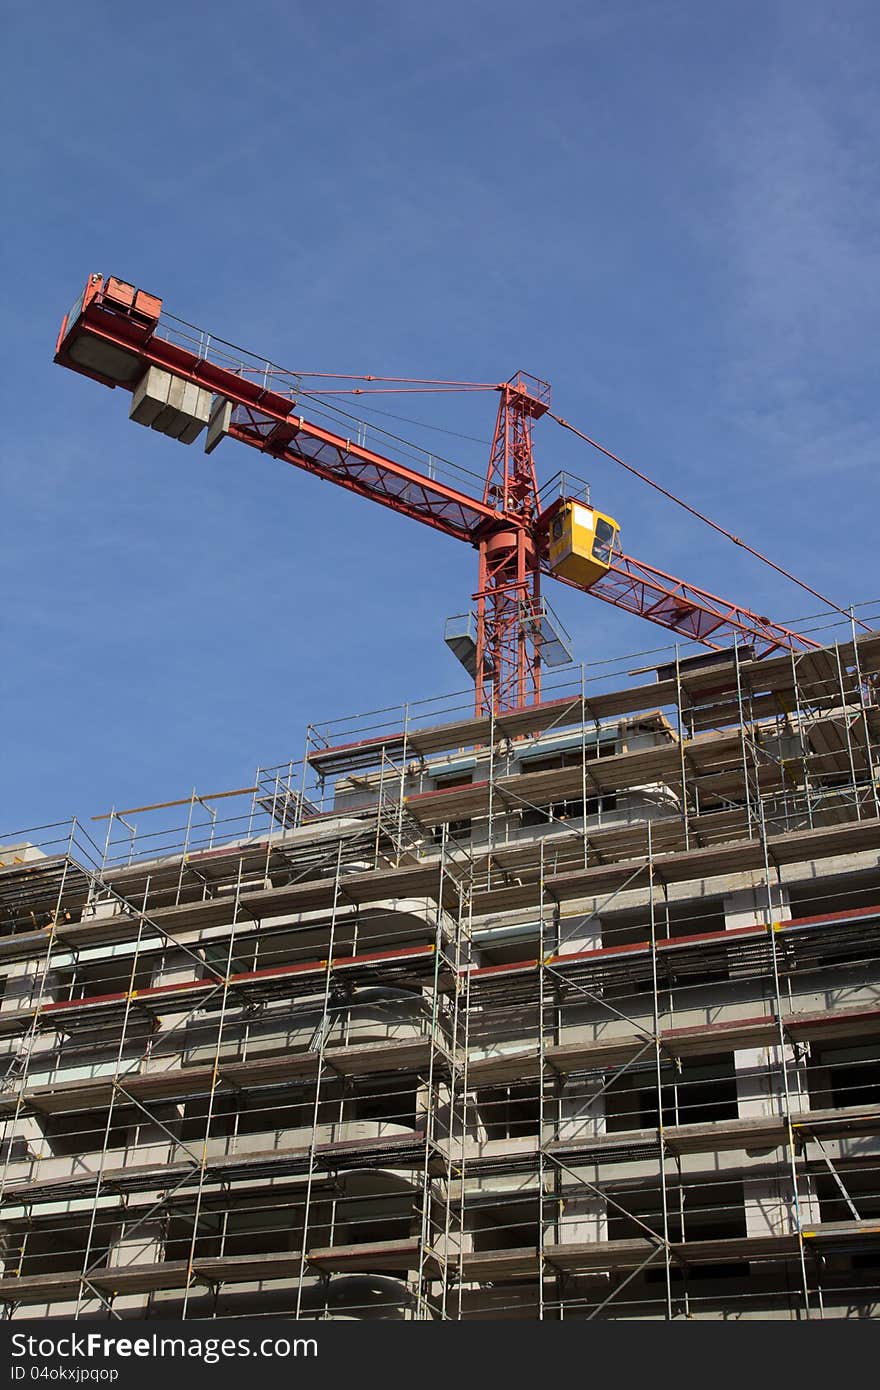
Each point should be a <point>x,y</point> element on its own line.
<point>603,542</point>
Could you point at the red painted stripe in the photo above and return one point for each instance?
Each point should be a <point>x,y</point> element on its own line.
<point>402,953</point>
<point>849,914</point>
<point>60,1004</point>
<point>520,967</point>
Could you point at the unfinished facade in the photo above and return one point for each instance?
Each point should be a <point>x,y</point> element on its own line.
<point>568,1014</point>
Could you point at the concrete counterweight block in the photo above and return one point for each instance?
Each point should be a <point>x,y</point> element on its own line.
<point>218,427</point>
<point>170,405</point>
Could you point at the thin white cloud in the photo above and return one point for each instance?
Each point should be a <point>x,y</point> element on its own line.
<point>800,174</point>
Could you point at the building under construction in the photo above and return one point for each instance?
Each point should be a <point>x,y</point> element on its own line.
<point>567,1012</point>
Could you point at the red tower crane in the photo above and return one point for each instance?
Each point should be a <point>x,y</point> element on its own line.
<point>184,381</point>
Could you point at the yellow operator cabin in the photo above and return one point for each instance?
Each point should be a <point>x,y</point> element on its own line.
<point>581,543</point>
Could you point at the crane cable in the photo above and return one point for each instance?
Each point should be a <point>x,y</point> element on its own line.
<point>701,516</point>
<point>333,410</point>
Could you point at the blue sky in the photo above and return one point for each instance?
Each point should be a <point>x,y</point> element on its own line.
<point>669,210</point>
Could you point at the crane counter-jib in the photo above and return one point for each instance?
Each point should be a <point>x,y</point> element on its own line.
<point>112,335</point>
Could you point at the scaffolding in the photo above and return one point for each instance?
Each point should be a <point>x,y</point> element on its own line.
<point>568,1013</point>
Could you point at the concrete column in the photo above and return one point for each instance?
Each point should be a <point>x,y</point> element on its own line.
<point>22,989</point>
<point>22,1144</point>
<point>758,1069</point>
<point>769,1203</point>
<point>22,980</point>
<point>580,933</point>
<point>580,1109</point>
<point>103,907</point>
<point>747,906</point>
<point>173,967</point>
<point>144,1246</point>
<point>583,1218</point>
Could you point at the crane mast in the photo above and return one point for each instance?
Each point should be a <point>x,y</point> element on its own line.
<point>508,657</point>
<point>184,382</point>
